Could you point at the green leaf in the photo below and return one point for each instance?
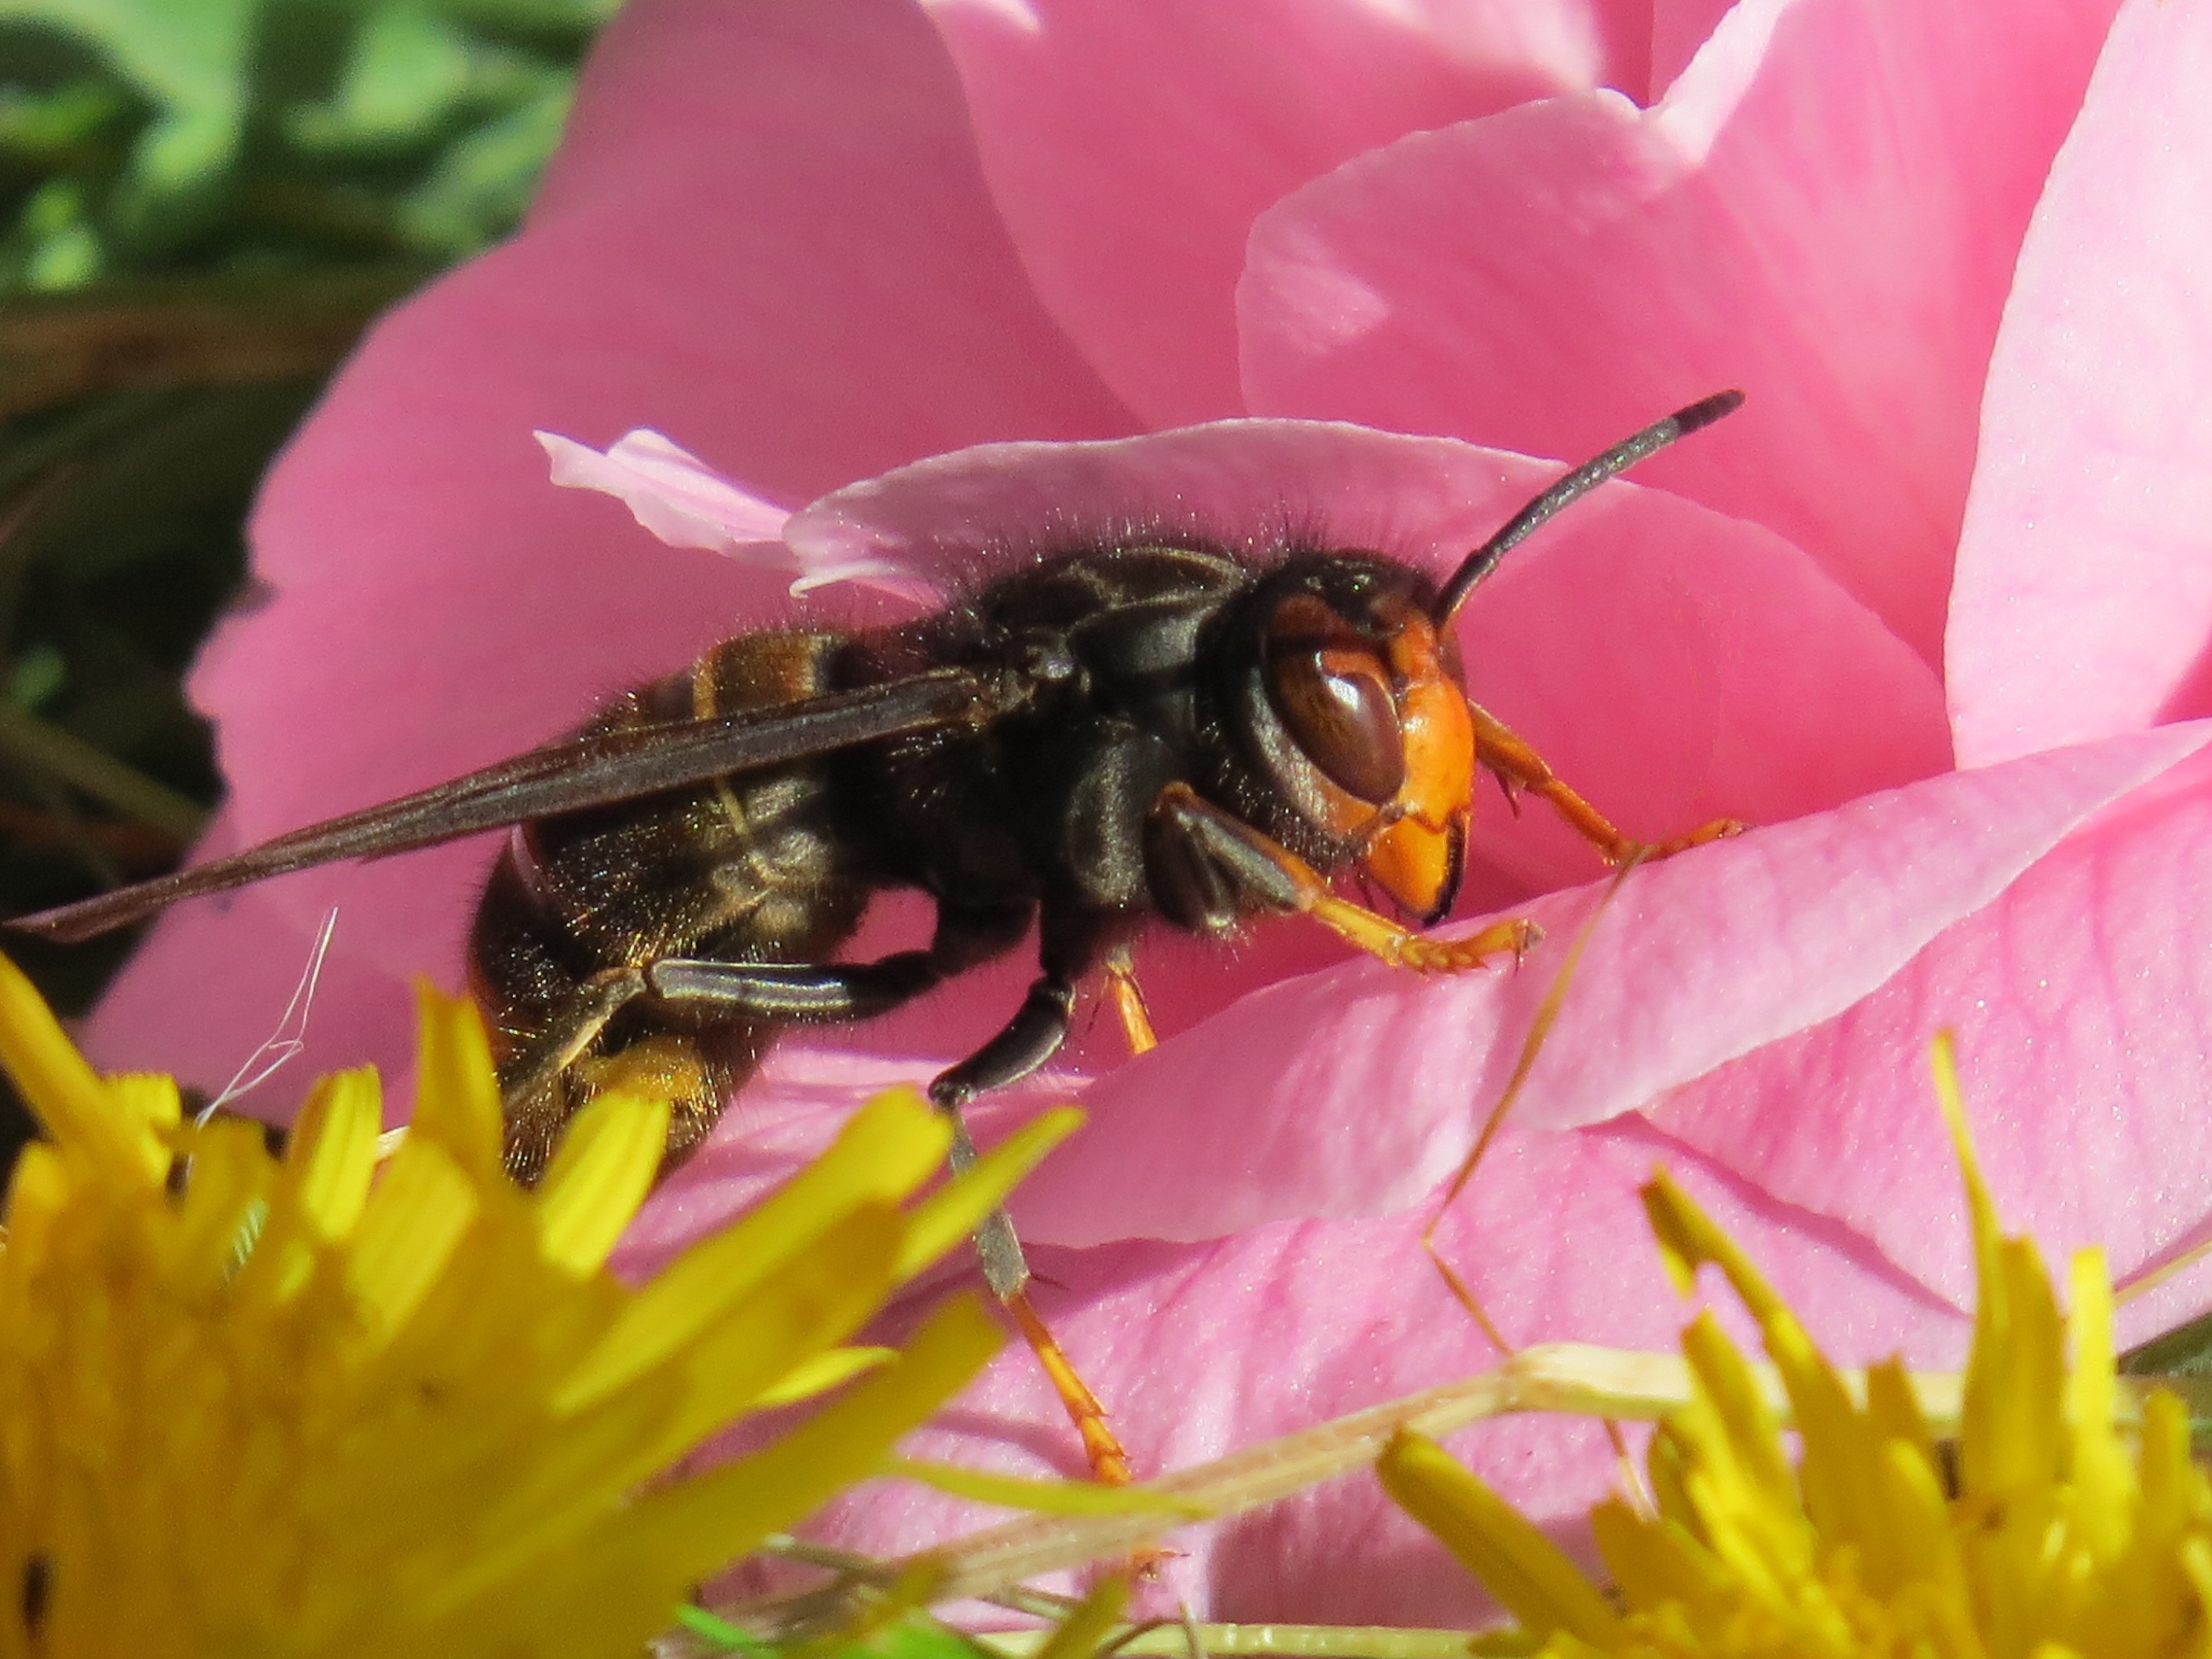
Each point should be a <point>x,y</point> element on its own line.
<point>61,250</point>
<point>411,75</point>
<point>721,1632</point>
<point>484,182</point>
<point>41,126</point>
<point>188,331</point>
<point>185,55</point>
<point>916,1636</point>
<point>531,16</point>
<point>2184,1351</point>
<point>187,58</point>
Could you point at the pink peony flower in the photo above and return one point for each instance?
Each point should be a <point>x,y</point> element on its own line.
<point>1933,612</point>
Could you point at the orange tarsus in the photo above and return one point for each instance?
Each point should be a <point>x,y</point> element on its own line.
<point>1109,1463</point>
<point>1128,1000</point>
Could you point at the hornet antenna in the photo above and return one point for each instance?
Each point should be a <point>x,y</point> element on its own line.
<point>1580,481</point>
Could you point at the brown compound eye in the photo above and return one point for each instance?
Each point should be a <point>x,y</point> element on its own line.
<point>1334,693</point>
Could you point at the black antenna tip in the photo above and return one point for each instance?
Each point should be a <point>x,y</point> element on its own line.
<point>1706,411</point>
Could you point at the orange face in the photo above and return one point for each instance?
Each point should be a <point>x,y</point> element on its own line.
<point>1417,859</point>
<point>1388,728</point>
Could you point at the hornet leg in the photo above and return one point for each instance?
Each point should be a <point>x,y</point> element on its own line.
<point>832,991</point>
<point>1031,1038</point>
<point>1516,766</point>
<point>807,992</point>
<point>1128,1002</point>
<point>1258,866</point>
<point>535,1104</point>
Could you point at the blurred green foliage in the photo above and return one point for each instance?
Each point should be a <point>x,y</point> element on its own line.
<point>143,137</point>
<point>203,202</point>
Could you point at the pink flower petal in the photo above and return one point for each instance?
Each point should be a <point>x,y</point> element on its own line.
<point>1824,210</point>
<point>2084,597</point>
<point>1256,486</point>
<point>2084,1029</point>
<point>668,491</point>
<point>1700,961</point>
<point>685,502</point>
<point>1131,143</point>
<point>1199,1350</point>
<point>1679,29</point>
<point>1641,651</point>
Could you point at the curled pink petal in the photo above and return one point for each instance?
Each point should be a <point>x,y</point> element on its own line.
<point>2084,605</point>
<point>1697,962</point>
<point>1679,29</point>
<point>1131,143</point>
<point>685,502</point>
<point>668,490</point>
<point>1824,210</point>
<point>2084,1031</point>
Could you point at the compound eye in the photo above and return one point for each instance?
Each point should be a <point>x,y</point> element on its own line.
<point>1335,696</point>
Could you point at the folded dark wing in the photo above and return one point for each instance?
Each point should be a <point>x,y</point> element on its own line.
<point>590,771</point>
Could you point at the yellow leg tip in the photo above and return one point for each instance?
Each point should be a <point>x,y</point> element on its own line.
<point>1645,852</point>
<point>1425,955</point>
<point>1109,1464</point>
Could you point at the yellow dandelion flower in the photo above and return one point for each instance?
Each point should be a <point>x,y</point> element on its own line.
<point>2044,1537</point>
<point>263,1406</point>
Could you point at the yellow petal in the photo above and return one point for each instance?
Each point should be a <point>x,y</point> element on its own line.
<point>1893,1408</point>
<point>2195,1558</point>
<point>1835,1470</point>
<point>63,1091</point>
<point>148,1098</point>
<point>1688,1239</point>
<point>824,1372</point>
<point>599,1174</point>
<point>38,1190</point>
<point>1982,1213</point>
<point>677,1534</point>
<point>331,1155</point>
<point>2174,1493</point>
<point>2008,1430</point>
<point>1654,1560</point>
<point>1744,1440</point>
<point>843,1443</point>
<point>1923,1546</point>
<point>456,1088</point>
<point>892,1145</point>
<point>2011,1417</point>
<point>413,1221</point>
<point>2098,1466</point>
<point>810,1305</point>
<point>228,1177</point>
<point>1084,1632</point>
<point>1524,1570</point>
